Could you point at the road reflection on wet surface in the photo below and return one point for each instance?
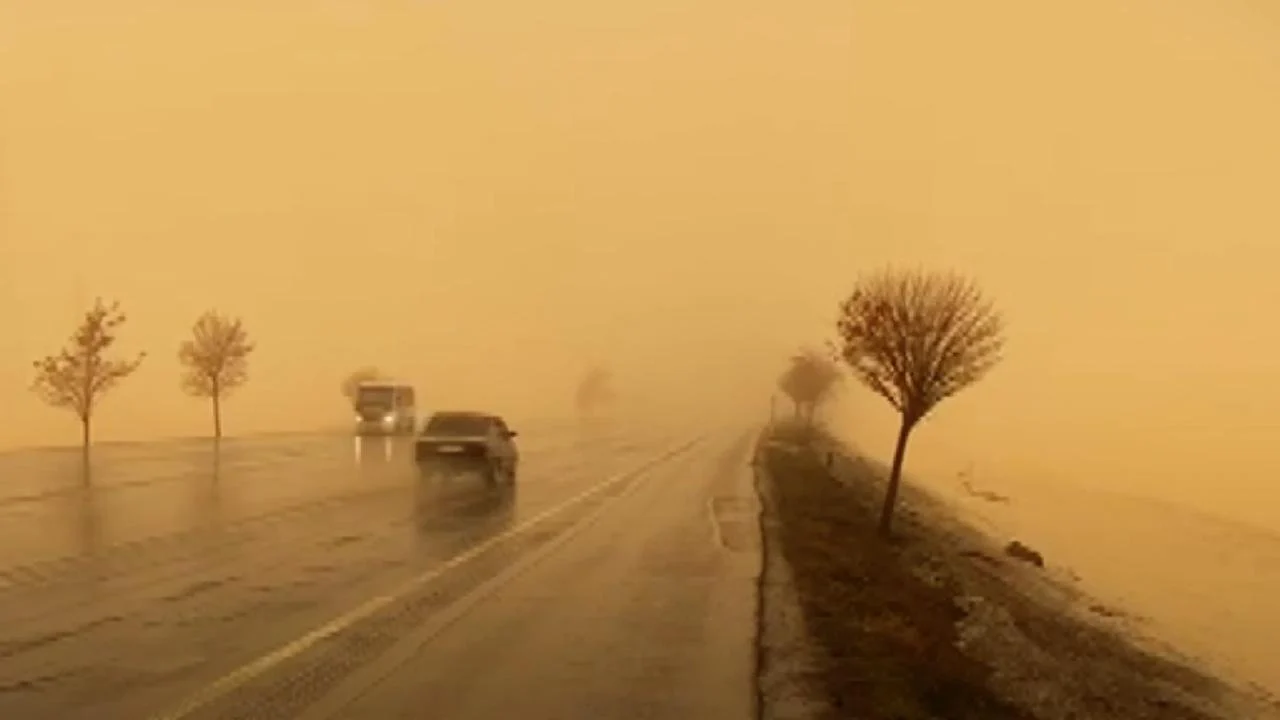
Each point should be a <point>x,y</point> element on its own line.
<point>162,565</point>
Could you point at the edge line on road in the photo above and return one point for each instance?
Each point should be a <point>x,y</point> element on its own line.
<point>717,535</point>
<point>247,672</point>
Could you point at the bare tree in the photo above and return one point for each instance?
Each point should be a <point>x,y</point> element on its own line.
<point>808,381</point>
<point>351,384</point>
<point>595,391</point>
<point>916,338</point>
<point>79,375</point>
<point>215,360</point>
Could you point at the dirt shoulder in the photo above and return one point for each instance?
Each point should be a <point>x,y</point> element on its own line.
<point>940,624</point>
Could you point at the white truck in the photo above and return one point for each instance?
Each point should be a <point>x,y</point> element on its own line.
<point>385,408</point>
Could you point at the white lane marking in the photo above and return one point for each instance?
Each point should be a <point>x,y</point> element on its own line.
<point>717,530</point>
<point>256,668</point>
<point>716,534</point>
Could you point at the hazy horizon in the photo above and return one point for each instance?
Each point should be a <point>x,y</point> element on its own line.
<point>487,199</point>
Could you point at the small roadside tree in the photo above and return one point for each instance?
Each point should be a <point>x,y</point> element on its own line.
<point>809,380</point>
<point>916,338</point>
<point>79,375</point>
<point>595,391</point>
<point>351,384</point>
<point>215,360</point>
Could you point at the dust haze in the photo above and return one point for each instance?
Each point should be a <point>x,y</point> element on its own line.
<point>488,198</point>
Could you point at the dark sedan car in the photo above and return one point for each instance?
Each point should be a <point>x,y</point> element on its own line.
<point>468,441</point>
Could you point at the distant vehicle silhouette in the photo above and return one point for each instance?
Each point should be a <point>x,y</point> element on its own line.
<point>385,408</point>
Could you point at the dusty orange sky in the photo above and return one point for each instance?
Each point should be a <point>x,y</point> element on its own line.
<point>487,197</point>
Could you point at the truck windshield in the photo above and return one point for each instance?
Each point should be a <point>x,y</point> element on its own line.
<point>375,396</point>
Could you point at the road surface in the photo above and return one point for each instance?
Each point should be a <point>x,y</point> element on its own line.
<point>300,579</point>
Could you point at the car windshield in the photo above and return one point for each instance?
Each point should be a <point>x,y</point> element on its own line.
<point>457,424</point>
<point>376,396</point>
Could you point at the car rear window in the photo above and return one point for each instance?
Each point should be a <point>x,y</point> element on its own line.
<point>456,424</point>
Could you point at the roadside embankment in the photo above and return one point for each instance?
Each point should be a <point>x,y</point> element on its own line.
<point>942,623</point>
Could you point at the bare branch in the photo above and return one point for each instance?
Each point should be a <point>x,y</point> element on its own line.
<point>917,338</point>
<point>75,377</point>
<point>215,359</point>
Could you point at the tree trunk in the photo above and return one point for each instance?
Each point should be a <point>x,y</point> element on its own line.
<point>84,433</point>
<point>895,478</point>
<point>217,416</point>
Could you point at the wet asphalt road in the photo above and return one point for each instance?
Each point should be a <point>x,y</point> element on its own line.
<point>321,577</point>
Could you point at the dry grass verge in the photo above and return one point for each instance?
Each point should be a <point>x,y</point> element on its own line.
<point>939,625</point>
